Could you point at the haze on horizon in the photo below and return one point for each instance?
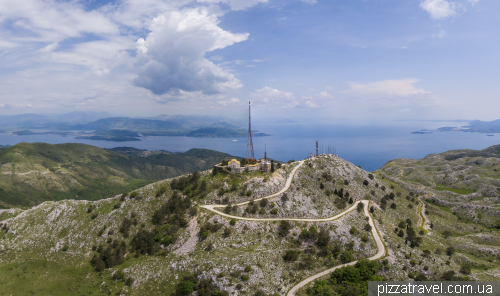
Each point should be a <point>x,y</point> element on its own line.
<point>297,59</point>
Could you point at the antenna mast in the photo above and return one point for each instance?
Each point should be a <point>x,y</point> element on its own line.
<point>250,154</point>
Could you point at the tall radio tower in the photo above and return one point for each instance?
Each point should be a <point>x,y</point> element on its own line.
<point>250,155</point>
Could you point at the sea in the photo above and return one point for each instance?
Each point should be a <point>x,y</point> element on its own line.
<point>367,145</point>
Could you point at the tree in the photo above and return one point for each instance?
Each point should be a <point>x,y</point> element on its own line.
<point>272,166</point>
<point>365,182</point>
<point>360,207</point>
<point>393,206</point>
<point>401,233</point>
<point>368,227</point>
<point>370,176</point>
<point>447,234</point>
<point>263,202</point>
<point>372,209</point>
<point>383,188</point>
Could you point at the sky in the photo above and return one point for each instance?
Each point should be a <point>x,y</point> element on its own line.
<point>308,60</point>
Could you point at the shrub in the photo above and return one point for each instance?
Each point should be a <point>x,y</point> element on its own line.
<point>365,182</point>
<point>465,269</point>
<point>227,232</point>
<point>383,188</point>
<point>291,255</point>
<point>65,248</point>
<point>119,275</point>
<point>393,206</point>
<point>274,211</point>
<point>109,240</point>
<point>117,206</point>
<point>232,222</point>
<point>245,277</point>
<point>353,230</point>
<point>133,194</point>
<point>347,256</point>
<point>263,203</point>
<point>450,251</point>
<point>360,207</point>
<point>284,228</point>
<point>129,281</point>
<point>372,209</point>
<point>370,176</point>
<point>364,238</point>
<point>368,227</point>
<point>413,262</point>
<point>421,232</point>
<point>94,215</point>
<point>248,268</point>
<point>447,234</point>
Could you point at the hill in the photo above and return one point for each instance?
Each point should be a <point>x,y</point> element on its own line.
<point>160,240</point>
<point>33,173</point>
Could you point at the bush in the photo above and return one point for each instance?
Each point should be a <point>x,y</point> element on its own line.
<point>245,277</point>
<point>364,238</point>
<point>284,228</point>
<point>365,182</point>
<point>274,211</point>
<point>129,281</point>
<point>465,269</point>
<point>119,275</point>
<point>65,248</point>
<point>393,206</point>
<point>248,268</point>
<point>368,227</point>
<point>133,194</point>
<point>117,206</point>
<point>353,230</point>
<point>94,215</point>
<point>450,251</point>
<point>232,222</point>
<point>447,234</point>
<point>347,256</point>
<point>291,255</point>
<point>263,203</point>
<point>360,207</point>
<point>370,176</point>
<point>372,209</point>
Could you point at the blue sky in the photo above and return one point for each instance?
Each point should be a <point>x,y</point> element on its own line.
<point>352,60</point>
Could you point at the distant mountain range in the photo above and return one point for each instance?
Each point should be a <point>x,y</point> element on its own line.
<point>476,126</point>
<point>98,126</point>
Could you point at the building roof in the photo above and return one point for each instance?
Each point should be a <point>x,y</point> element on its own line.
<point>234,160</point>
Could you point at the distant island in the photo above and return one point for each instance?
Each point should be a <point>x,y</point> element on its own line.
<point>475,126</point>
<point>124,129</point>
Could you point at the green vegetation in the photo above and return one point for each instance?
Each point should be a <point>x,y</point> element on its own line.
<point>38,172</point>
<point>441,187</point>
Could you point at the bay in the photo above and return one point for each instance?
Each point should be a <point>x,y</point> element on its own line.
<point>369,146</point>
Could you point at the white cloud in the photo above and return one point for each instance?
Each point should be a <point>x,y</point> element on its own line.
<point>271,96</point>
<point>8,44</point>
<point>324,94</point>
<point>440,9</point>
<point>387,88</point>
<point>175,50</point>
<point>391,92</point>
<point>310,1</point>
<point>439,34</point>
<point>229,102</point>
<point>473,2</point>
<point>236,4</point>
<point>405,110</point>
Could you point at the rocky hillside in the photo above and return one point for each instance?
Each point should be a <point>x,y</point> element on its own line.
<point>158,241</point>
<point>466,181</point>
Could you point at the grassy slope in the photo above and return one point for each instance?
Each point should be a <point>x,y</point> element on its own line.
<point>33,173</point>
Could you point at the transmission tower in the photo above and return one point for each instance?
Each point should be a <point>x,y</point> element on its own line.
<point>250,155</point>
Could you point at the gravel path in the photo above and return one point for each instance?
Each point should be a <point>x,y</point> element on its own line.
<point>378,239</point>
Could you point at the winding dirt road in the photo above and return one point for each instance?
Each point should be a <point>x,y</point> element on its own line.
<point>293,290</point>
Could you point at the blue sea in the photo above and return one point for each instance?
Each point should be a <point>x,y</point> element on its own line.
<point>369,146</point>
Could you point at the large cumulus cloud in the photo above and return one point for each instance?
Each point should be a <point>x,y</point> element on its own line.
<point>172,56</point>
